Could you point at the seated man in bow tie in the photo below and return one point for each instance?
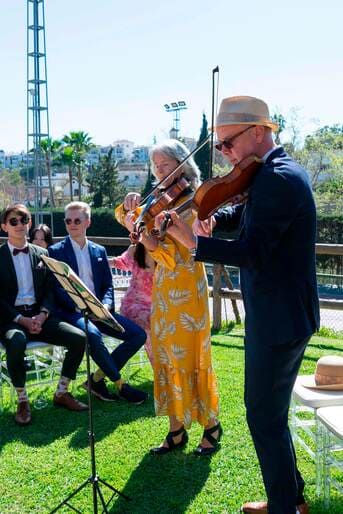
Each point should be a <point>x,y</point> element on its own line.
<point>26,302</point>
<point>90,263</point>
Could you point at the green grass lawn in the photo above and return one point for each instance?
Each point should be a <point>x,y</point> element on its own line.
<point>42,463</point>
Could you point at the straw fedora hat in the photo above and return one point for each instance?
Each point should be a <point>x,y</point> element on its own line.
<point>244,110</point>
<point>328,374</point>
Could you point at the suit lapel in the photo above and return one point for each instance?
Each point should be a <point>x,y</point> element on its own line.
<point>34,258</point>
<point>69,250</point>
<point>10,267</point>
<point>94,264</point>
<point>242,223</point>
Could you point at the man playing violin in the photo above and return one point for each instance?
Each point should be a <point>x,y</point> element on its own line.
<point>275,252</point>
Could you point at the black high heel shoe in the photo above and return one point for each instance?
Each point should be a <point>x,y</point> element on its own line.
<point>203,451</point>
<point>162,450</point>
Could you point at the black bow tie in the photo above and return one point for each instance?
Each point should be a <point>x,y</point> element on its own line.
<point>18,250</point>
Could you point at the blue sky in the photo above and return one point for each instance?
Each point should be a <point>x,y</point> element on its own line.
<point>113,65</point>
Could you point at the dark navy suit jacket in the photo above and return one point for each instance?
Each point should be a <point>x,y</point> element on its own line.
<point>102,276</point>
<point>275,252</point>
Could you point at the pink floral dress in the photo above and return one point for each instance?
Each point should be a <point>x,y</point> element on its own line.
<point>136,304</point>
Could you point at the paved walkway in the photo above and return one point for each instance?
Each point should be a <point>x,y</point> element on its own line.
<point>332,319</point>
<point>329,318</point>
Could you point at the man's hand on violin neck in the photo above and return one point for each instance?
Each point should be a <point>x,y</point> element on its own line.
<point>132,200</point>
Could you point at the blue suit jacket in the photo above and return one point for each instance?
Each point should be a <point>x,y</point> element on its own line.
<point>275,252</point>
<point>102,275</point>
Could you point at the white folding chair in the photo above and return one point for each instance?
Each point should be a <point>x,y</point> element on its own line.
<point>330,421</point>
<point>303,420</point>
<point>46,361</point>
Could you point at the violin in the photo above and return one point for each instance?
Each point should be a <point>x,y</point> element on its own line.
<point>156,204</point>
<point>226,190</point>
<point>217,192</point>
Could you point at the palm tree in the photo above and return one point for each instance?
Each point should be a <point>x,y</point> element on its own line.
<point>81,143</point>
<point>50,148</point>
<point>66,158</point>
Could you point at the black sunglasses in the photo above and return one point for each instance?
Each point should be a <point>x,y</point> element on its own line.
<point>227,143</point>
<point>69,221</point>
<point>24,220</point>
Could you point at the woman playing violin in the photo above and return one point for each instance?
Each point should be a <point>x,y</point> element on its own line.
<point>184,382</point>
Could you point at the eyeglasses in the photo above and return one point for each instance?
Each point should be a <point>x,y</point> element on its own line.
<point>227,143</point>
<point>24,220</point>
<point>76,221</point>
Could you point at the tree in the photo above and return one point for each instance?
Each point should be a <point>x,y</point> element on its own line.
<point>104,184</point>
<point>66,158</point>
<point>281,121</point>
<point>149,184</point>
<point>12,187</point>
<point>81,143</point>
<point>202,157</point>
<point>323,150</point>
<point>50,148</point>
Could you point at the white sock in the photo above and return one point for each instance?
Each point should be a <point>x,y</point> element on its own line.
<point>62,386</point>
<point>22,394</point>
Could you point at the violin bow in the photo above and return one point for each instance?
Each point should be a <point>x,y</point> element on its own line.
<point>214,98</point>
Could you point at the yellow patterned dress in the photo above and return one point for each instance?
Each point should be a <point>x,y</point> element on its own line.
<point>184,380</point>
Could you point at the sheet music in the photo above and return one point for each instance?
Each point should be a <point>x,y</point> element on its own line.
<point>79,292</point>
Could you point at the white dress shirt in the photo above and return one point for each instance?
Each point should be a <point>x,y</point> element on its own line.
<point>23,269</point>
<point>84,264</point>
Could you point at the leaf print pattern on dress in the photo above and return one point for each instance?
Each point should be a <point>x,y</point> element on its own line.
<point>172,275</point>
<point>178,297</point>
<point>160,329</point>
<point>161,405</point>
<point>178,351</point>
<point>162,305</point>
<point>207,344</point>
<point>162,378</point>
<point>163,356</point>
<point>201,286</point>
<point>159,276</point>
<point>187,321</point>
<point>191,324</point>
<point>177,390</point>
<point>188,418</point>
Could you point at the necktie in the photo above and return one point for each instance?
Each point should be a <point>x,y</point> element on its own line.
<point>18,250</point>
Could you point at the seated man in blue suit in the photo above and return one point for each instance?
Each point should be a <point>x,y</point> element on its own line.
<point>89,261</point>
<point>275,252</point>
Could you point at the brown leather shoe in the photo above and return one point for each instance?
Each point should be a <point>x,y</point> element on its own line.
<point>68,401</point>
<point>262,508</point>
<point>23,414</point>
<point>255,507</point>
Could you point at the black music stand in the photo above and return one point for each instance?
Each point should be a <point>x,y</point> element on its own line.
<point>90,307</point>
